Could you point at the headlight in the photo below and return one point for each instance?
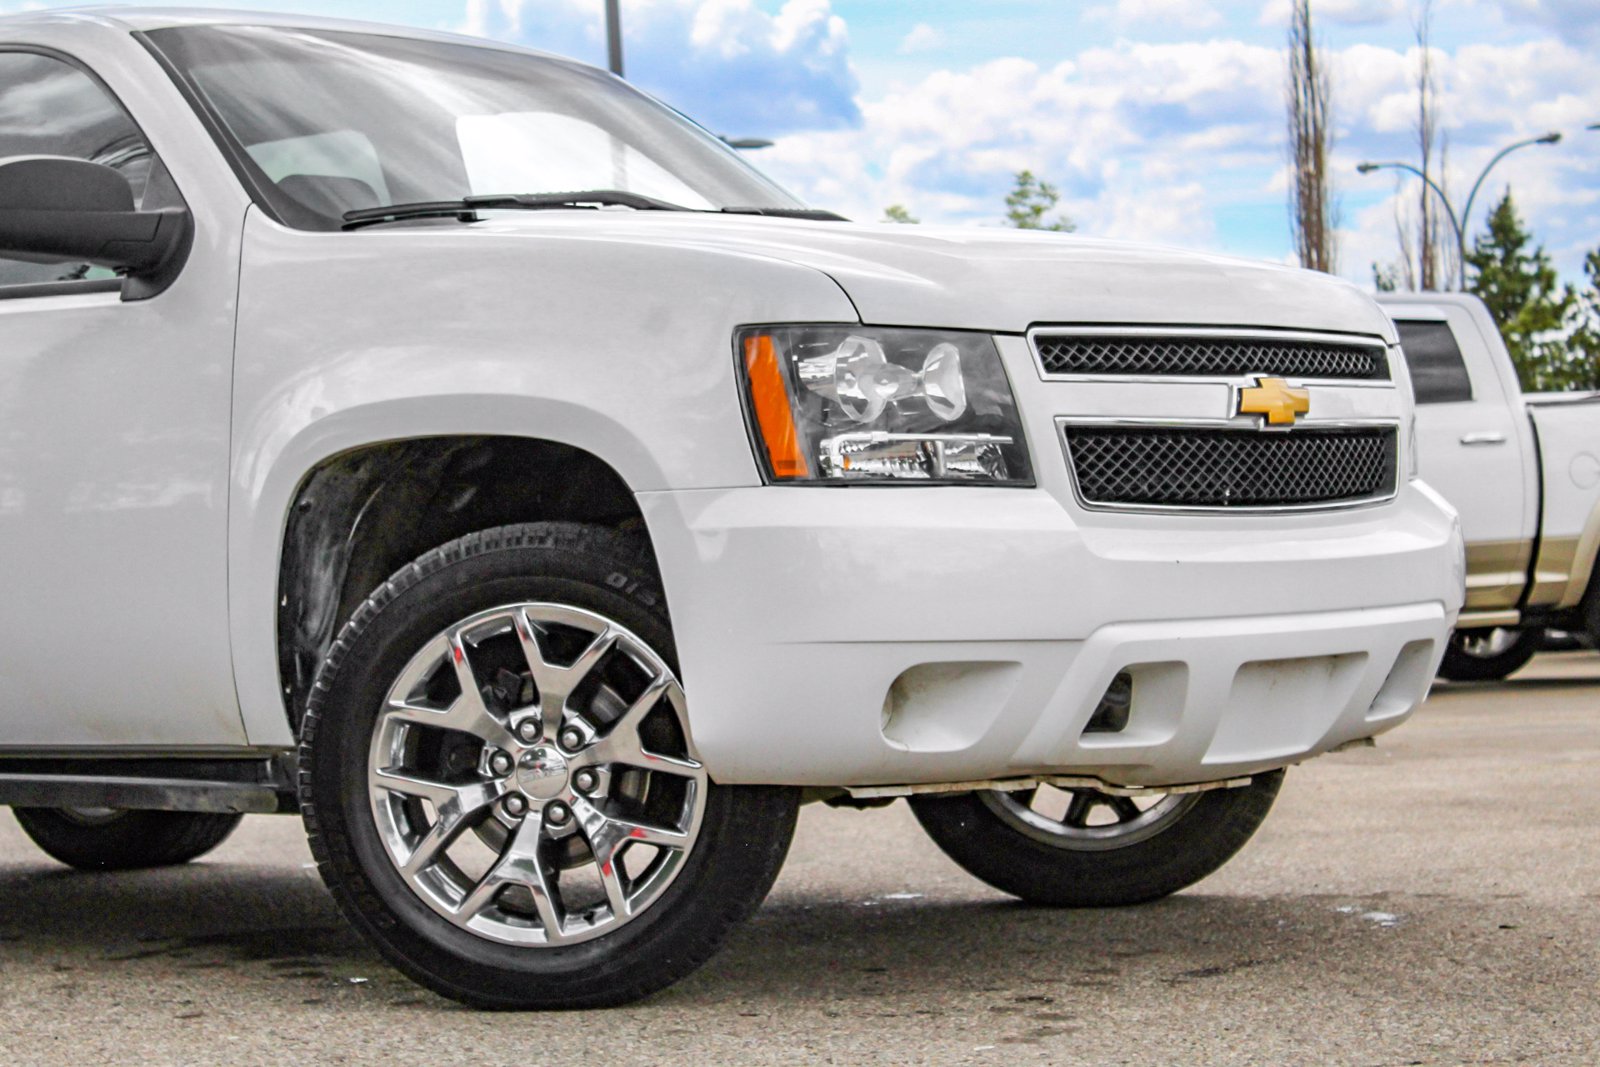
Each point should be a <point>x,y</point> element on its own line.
<point>857,404</point>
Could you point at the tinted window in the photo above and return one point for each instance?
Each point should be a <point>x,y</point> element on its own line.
<point>48,107</point>
<point>1438,374</point>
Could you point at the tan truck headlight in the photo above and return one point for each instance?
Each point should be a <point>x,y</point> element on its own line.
<point>845,404</point>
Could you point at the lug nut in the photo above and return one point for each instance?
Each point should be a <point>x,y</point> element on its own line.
<point>557,814</point>
<point>570,738</point>
<point>500,763</point>
<point>516,804</point>
<point>528,731</point>
<point>585,780</point>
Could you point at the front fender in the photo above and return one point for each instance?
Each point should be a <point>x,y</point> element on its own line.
<point>347,340</point>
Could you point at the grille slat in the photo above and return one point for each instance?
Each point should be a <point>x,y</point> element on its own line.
<point>1199,355</point>
<point>1195,468</point>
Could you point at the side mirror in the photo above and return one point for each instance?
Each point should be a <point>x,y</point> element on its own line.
<point>55,209</point>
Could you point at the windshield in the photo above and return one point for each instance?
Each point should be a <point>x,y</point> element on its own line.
<point>325,122</point>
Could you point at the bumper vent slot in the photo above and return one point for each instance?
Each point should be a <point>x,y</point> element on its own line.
<point>1183,468</point>
<point>1209,357</point>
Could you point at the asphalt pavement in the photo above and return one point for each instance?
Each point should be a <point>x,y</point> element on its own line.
<point>1435,900</point>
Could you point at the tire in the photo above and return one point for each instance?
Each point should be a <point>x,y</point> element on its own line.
<point>1488,656</point>
<point>508,933</point>
<point>1059,863</point>
<point>104,840</point>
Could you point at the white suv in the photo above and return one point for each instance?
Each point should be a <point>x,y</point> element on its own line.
<point>458,447</point>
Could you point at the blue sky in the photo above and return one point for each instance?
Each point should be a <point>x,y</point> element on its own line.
<point>1158,119</point>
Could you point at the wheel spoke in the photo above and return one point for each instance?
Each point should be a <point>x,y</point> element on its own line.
<point>639,833</point>
<point>520,864</point>
<point>1126,809</point>
<point>622,743</point>
<point>606,842</point>
<point>467,714</point>
<point>630,721</point>
<point>455,809</point>
<point>590,657</point>
<point>1078,808</point>
<point>556,683</point>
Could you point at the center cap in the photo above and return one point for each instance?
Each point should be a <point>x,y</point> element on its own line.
<point>542,773</point>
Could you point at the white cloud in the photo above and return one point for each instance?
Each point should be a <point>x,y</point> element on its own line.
<point>1161,141</point>
<point>1346,12</point>
<point>732,64</point>
<point>1147,14</point>
<point>1178,142</point>
<point>922,38</point>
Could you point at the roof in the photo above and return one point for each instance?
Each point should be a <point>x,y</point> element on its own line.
<point>133,19</point>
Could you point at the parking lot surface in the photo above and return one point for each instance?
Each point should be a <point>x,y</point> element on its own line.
<point>1435,900</point>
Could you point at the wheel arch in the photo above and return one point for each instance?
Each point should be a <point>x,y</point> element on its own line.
<point>362,512</point>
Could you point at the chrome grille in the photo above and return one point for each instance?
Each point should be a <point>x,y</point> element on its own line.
<point>1202,355</point>
<point>1195,468</point>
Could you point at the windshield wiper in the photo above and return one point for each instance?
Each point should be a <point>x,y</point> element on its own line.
<point>811,213</point>
<point>467,207</point>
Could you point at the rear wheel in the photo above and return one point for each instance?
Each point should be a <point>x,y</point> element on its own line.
<point>1086,848</point>
<point>500,785</point>
<point>106,839</point>
<point>1488,655</point>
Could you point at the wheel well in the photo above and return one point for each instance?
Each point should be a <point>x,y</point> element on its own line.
<point>362,515</point>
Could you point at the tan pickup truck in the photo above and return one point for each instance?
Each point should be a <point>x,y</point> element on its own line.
<point>1523,471</point>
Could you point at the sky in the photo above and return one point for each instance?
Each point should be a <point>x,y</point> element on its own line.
<point>1158,120</point>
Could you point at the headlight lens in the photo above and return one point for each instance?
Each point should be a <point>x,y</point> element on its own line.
<point>859,404</point>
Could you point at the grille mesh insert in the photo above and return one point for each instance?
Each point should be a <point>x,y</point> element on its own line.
<point>1230,468</point>
<point>1222,356</point>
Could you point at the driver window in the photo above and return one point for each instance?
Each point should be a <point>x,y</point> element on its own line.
<point>49,107</point>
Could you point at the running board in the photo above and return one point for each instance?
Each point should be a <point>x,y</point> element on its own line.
<point>236,787</point>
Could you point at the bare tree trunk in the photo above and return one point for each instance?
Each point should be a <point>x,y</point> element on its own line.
<point>1308,91</point>
<point>1402,231</point>
<point>1430,223</point>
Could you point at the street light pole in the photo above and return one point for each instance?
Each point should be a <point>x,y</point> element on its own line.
<point>1459,223</point>
<point>1466,215</point>
<point>1449,210</point>
<point>614,36</point>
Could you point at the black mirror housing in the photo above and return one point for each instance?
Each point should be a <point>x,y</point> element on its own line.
<point>57,209</point>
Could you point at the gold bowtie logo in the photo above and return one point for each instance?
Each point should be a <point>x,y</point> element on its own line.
<point>1273,398</point>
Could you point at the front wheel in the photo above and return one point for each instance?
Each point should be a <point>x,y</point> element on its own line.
<point>1082,848</point>
<point>500,785</point>
<point>1488,655</point>
<point>107,839</point>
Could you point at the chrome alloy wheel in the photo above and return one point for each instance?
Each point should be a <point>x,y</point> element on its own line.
<point>531,775</point>
<point>1087,819</point>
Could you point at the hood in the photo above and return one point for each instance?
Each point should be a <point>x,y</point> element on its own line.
<point>1003,281</point>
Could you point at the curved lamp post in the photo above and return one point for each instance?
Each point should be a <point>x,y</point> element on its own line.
<point>1458,223</point>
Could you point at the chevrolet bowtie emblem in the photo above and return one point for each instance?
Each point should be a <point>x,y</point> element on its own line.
<point>1273,398</point>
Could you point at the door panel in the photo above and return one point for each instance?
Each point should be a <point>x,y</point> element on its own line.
<point>113,469</point>
<point>1470,448</point>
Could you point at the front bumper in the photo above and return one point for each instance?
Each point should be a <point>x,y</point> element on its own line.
<point>884,636</point>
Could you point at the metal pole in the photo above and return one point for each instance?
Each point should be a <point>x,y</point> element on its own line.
<point>1466,214</point>
<point>1465,218</point>
<point>614,36</point>
<point>1450,212</point>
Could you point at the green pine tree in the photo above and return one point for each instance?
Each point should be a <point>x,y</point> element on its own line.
<point>898,213</point>
<point>1030,200</point>
<point>1518,283</point>
<point>1583,339</point>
